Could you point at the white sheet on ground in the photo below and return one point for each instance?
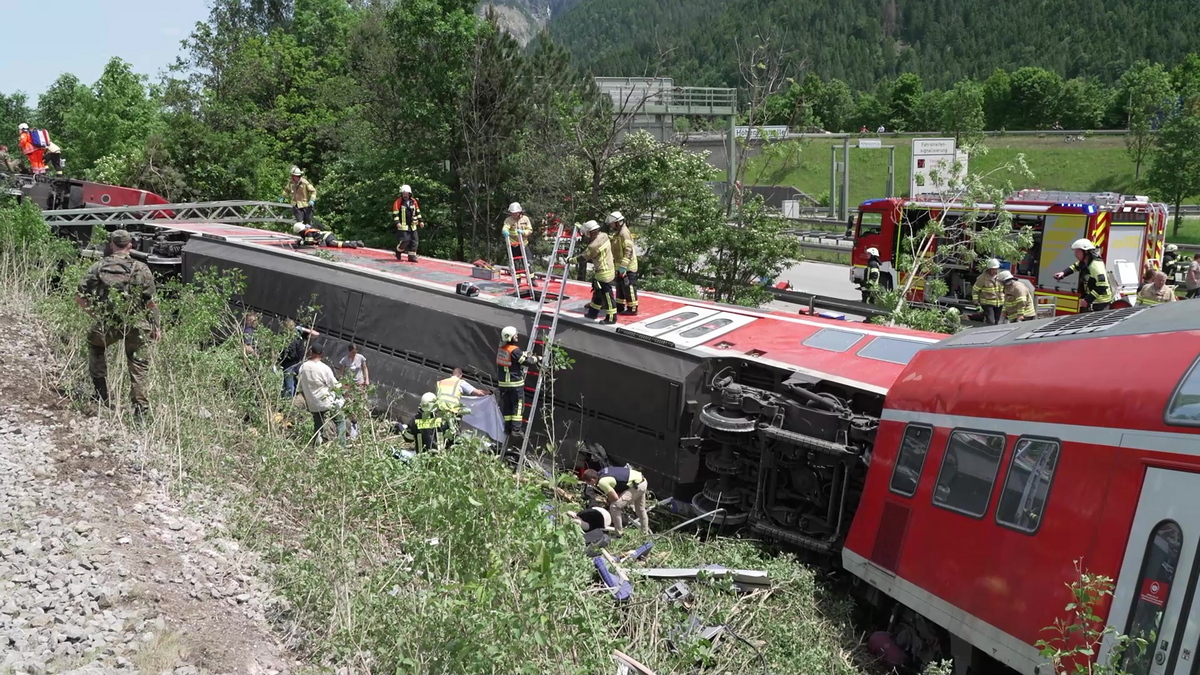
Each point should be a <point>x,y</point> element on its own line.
<point>483,414</point>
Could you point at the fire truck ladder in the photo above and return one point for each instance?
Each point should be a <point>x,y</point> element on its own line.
<point>545,328</point>
<point>522,283</point>
<point>230,212</point>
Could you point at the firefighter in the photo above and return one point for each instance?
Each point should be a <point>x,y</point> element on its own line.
<point>1171,263</point>
<point>429,429</point>
<point>1018,301</point>
<point>599,253</point>
<point>303,196</point>
<point>625,257</point>
<point>315,236</point>
<point>35,155</point>
<point>510,377</point>
<point>406,216</point>
<point>451,390</point>
<point>7,163</point>
<point>1157,291</point>
<point>871,277</point>
<point>621,486</point>
<point>1095,293</point>
<point>988,293</point>
<point>54,157</point>
<point>517,229</point>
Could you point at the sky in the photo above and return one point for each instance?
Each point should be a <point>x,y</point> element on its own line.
<point>85,34</point>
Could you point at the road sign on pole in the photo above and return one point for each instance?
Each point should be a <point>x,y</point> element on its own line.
<point>932,157</point>
<point>870,143</point>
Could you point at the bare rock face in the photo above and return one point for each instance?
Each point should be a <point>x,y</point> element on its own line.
<point>524,19</point>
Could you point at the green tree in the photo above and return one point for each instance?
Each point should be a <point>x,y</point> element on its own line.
<point>1174,174</point>
<point>962,112</point>
<point>56,103</point>
<point>113,118</point>
<point>904,101</point>
<point>835,106</point>
<point>1034,98</point>
<point>14,109</point>
<point>1084,104</point>
<point>1145,91</point>
<point>1186,80</point>
<point>997,94</point>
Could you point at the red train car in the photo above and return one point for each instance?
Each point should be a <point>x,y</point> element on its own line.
<point>1005,454</point>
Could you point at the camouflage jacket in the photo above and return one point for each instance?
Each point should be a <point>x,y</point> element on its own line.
<point>120,292</point>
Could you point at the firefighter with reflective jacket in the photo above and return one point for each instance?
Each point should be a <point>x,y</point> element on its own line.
<point>302,196</point>
<point>599,253</point>
<point>510,376</point>
<point>429,430</point>
<point>988,293</point>
<point>625,257</point>
<point>451,390</point>
<point>315,236</point>
<point>871,276</point>
<point>406,216</point>
<point>1095,293</point>
<point>1018,301</point>
<point>517,229</point>
<point>1171,263</point>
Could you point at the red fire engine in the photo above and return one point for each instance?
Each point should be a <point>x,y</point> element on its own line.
<point>1127,230</point>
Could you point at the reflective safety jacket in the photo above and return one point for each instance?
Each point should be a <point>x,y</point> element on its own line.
<point>1093,280</point>
<point>987,290</point>
<point>599,253</point>
<point>1018,302</point>
<point>871,275</point>
<point>449,393</point>
<point>300,192</point>
<point>512,227</point>
<point>429,430</point>
<point>1149,295</point>
<point>406,214</point>
<point>510,360</point>
<point>624,255</point>
<point>618,479</point>
<point>1171,264</point>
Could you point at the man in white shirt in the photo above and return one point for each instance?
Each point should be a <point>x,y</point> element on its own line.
<point>1192,283</point>
<point>319,386</point>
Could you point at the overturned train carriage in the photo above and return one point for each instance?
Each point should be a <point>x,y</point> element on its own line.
<point>783,452</point>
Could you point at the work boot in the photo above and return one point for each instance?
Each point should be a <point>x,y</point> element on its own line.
<point>608,320</point>
<point>399,255</point>
<point>591,315</point>
<point>101,395</point>
<point>412,257</point>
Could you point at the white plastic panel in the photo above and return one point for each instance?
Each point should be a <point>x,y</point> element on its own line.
<point>671,321</point>
<point>702,331</point>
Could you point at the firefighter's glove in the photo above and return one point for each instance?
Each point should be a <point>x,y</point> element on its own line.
<point>621,271</point>
<point>504,231</point>
<point>312,202</point>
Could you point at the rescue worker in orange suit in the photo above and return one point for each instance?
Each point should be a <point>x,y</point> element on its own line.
<point>510,376</point>
<point>517,229</point>
<point>988,293</point>
<point>314,236</point>
<point>406,216</point>
<point>302,195</point>
<point>1157,291</point>
<point>626,261</point>
<point>599,253</point>
<point>1018,301</point>
<point>36,156</point>
<point>1095,293</point>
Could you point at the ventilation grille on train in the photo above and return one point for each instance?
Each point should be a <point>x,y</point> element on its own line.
<point>1091,322</point>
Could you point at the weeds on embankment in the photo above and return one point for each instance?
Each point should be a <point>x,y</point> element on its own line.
<point>441,564</point>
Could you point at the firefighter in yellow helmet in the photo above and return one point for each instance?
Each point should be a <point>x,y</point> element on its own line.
<point>1095,292</point>
<point>599,253</point>
<point>988,293</point>
<point>625,258</point>
<point>510,377</point>
<point>1018,301</point>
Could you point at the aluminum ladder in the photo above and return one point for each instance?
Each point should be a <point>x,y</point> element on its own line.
<point>522,288</point>
<point>545,328</point>
<point>229,212</point>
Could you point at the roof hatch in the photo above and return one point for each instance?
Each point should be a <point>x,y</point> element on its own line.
<point>686,327</point>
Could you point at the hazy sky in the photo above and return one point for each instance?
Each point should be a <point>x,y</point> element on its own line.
<point>80,36</point>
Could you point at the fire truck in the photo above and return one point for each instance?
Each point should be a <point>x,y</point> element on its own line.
<point>1128,231</point>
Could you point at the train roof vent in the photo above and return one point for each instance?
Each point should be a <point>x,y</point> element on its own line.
<point>1091,322</point>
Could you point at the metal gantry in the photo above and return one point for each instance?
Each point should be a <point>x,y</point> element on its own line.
<point>231,212</point>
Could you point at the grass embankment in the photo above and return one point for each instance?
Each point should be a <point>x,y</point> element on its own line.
<point>444,564</point>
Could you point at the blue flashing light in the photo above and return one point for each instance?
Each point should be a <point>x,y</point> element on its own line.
<point>1088,208</point>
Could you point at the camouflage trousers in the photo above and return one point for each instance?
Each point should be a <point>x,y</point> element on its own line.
<point>100,338</point>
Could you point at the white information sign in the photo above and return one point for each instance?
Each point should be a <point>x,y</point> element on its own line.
<point>932,156</point>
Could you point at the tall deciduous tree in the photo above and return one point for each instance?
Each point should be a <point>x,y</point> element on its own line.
<point>1174,173</point>
<point>1145,92</point>
<point>962,112</point>
<point>113,118</point>
<point>59,99</point>
<point>1034,98</point>
<point>14,109</point>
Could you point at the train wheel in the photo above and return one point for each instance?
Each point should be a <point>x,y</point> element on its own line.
<point>720,419</point>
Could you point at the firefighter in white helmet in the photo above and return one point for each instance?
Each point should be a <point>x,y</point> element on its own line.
<point>406,217</point>
<point>1171,263</point>
<point>517,229</point>
<point>1018,301</point>
<point>625,258</point>
<point>599,253</point>
<point>988,293</point>
<point>871,275</point>
<point>430,429</point>
<point>1095,292</point>
<point>315,236</point>
<point>510,377</point>
<point>302,196</point>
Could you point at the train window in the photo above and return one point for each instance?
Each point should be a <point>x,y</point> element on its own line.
<point>1184,408</point>
<point>891,350</point>
<point>673,320</point>
<point>833,340</point>
<point>706,327</point>
<point>968,472</point>
<point>1154,584</point>
<point>1023,499</point>
<point>910,460</point>
<point>869,223</point>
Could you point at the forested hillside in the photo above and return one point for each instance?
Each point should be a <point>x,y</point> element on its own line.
<point>863,41</point>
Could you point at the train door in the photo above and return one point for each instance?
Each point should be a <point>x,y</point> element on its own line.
<point>1155,591</point>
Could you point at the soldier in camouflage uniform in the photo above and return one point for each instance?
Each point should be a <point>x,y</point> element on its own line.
<point>118,292</point>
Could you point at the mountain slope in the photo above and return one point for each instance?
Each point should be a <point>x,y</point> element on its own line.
<point>525,18</point>
<point>861,41</point>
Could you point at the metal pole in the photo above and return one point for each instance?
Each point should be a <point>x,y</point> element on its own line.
<point>733,150</point>
<point>845,177</point>
<point>833,186</point>
<point>891,184</point>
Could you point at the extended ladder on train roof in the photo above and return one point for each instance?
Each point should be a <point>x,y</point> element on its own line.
<point>545,328</point>
<point>229,212</point>
<point>518,266</point>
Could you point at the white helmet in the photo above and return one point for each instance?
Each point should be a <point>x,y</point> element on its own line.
<point>299,227</point>
<point>1172,248</point>
<point>404,189</point>
<point>614,217</point>
<point>515,207</point>
<point>873,251</point>
<point>1004,275</point>
<point>1083,245</point>
<point>297,171</point>
<point>428,399</point>
<point>22,127</point>
<point>508,334</point>
<point>993,264</point>
<point>590,226</point>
